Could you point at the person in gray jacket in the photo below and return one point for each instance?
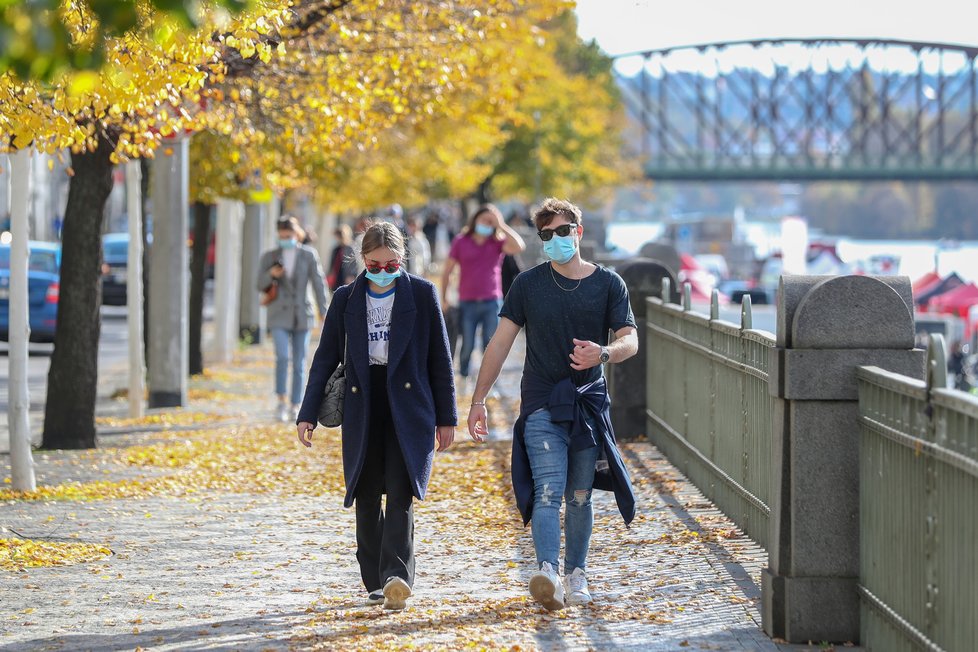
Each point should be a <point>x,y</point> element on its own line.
<point>291,267</point>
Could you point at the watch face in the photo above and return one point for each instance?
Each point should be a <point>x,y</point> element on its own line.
<point>605,356</point>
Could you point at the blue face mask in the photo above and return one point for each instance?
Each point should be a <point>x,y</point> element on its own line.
<point>383,278</point>
<point>560,249</point>
<point>484,230</point>
<point>287,244</point>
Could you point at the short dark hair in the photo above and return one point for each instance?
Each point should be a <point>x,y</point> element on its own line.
<point>288,224</point>
<point>551,208</point>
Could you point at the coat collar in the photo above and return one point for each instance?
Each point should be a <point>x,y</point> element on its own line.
<point>403,317</point>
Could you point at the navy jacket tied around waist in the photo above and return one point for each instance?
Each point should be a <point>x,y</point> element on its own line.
<point>570,405</point>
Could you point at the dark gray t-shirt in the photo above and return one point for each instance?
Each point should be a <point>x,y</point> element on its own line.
<point>554,310</point>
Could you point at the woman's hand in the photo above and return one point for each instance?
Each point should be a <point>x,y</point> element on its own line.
<point>478,422</point>
<point>304,430</point>
<point>444,435</point>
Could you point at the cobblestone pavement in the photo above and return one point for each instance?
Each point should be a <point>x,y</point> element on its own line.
<point>261,556</point>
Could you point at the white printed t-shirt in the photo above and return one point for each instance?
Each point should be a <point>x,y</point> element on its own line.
<point>379,324</point>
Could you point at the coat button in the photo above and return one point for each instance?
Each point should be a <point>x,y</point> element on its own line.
<point>354,389</point>
<point>407,385</point>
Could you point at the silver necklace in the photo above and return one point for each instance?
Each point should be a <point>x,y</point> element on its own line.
<point>557,283</point>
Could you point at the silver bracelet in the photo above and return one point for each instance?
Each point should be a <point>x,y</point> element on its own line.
<point>482,403</point>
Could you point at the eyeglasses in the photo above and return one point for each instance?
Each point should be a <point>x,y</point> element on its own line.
<point>563,231</point>
<point>390,267</point>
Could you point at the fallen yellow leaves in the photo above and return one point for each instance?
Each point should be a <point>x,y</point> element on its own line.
<point>256,459</point>
<point>168,418</point>
<point>17,554</point>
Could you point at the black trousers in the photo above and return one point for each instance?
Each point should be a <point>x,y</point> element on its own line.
<point>385,536</point>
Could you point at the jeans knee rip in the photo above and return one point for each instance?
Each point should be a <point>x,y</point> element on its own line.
<point>582,497</point>
<point>545,495</point>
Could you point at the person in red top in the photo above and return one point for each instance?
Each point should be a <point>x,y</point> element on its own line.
<point>478,252</point>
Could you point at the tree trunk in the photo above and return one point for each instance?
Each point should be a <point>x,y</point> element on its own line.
<point>69,412</point>
<point>198,271</point>
<point>484,194</point>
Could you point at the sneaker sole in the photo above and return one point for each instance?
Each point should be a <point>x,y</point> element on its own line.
<point>396,594</point>
<point>544,592</point>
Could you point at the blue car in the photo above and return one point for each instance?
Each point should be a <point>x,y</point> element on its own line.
<point>43,283</point>
<point>115,257</point>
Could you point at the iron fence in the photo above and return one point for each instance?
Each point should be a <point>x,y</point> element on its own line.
<point>918,511</point>
<point>708,406</point>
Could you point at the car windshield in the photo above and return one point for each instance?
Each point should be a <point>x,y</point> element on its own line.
<point>39,261</point>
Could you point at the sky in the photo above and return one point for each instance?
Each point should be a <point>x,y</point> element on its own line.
<point>624,26</point>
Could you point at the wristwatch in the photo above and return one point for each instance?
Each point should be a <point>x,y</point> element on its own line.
<point>605,355</point>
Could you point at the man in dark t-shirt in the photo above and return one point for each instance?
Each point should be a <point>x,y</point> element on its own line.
<point>568,307</point>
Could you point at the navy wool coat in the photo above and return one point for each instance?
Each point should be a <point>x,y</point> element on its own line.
<point>420,383</point>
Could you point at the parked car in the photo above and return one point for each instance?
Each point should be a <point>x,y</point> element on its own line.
<point>115,261</point>
<point>43,289</point>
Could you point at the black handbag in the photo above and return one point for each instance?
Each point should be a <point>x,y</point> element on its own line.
<point>331,408</point>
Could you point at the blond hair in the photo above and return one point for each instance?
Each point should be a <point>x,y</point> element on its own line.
<point>382,234</point>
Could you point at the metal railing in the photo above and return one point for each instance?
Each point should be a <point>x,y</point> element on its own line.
<point>708,406</point>
<point>918,510</point>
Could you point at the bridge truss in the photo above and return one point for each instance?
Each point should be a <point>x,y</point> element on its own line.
<point>806,109</point>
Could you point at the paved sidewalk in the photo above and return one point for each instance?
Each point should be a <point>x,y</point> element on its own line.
<point>226,535</point>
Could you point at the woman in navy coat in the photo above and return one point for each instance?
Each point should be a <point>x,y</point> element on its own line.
<point>399,399</point>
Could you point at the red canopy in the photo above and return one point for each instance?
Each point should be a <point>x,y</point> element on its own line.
<point>700,281</point>
<point>923,281</point>
<point>956,301</point>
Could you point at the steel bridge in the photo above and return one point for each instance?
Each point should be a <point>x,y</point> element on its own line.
<point>806,109</point>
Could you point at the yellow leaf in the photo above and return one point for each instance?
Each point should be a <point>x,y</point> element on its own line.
<point>82,83</point>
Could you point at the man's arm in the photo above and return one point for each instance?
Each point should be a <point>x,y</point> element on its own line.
<point>587,354</point>
<point>625,344</point>
<point>492,363</point>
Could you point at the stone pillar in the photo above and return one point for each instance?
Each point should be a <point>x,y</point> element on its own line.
<point>827,327</point>
<point>627,380</point>
<point>169,273</point>
<point>665,254</point>
<point>251,316</point>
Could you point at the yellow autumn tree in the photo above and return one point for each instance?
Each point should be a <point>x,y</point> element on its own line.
<point>152,85</point>
<point>377,73</point>
<point>542,117</point>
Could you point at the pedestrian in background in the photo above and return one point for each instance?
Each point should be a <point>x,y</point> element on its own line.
<point>291,267</point>
<point>342,263</point>
<point>478,253</point>
<point>399,400</point>
<point>567,306</point>
<point>419,252</point>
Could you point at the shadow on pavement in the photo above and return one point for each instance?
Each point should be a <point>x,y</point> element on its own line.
<point>251,633</point>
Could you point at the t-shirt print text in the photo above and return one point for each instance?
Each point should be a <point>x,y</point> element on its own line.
<point>379,323</point>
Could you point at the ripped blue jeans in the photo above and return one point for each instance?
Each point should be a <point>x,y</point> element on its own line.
<point>559,473</point>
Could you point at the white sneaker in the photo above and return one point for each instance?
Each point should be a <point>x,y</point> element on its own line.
<point>576,586</point>
<point>546,588</point>
<point>375,597</point>
<point>283,412</point>
<point>396,593</point>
